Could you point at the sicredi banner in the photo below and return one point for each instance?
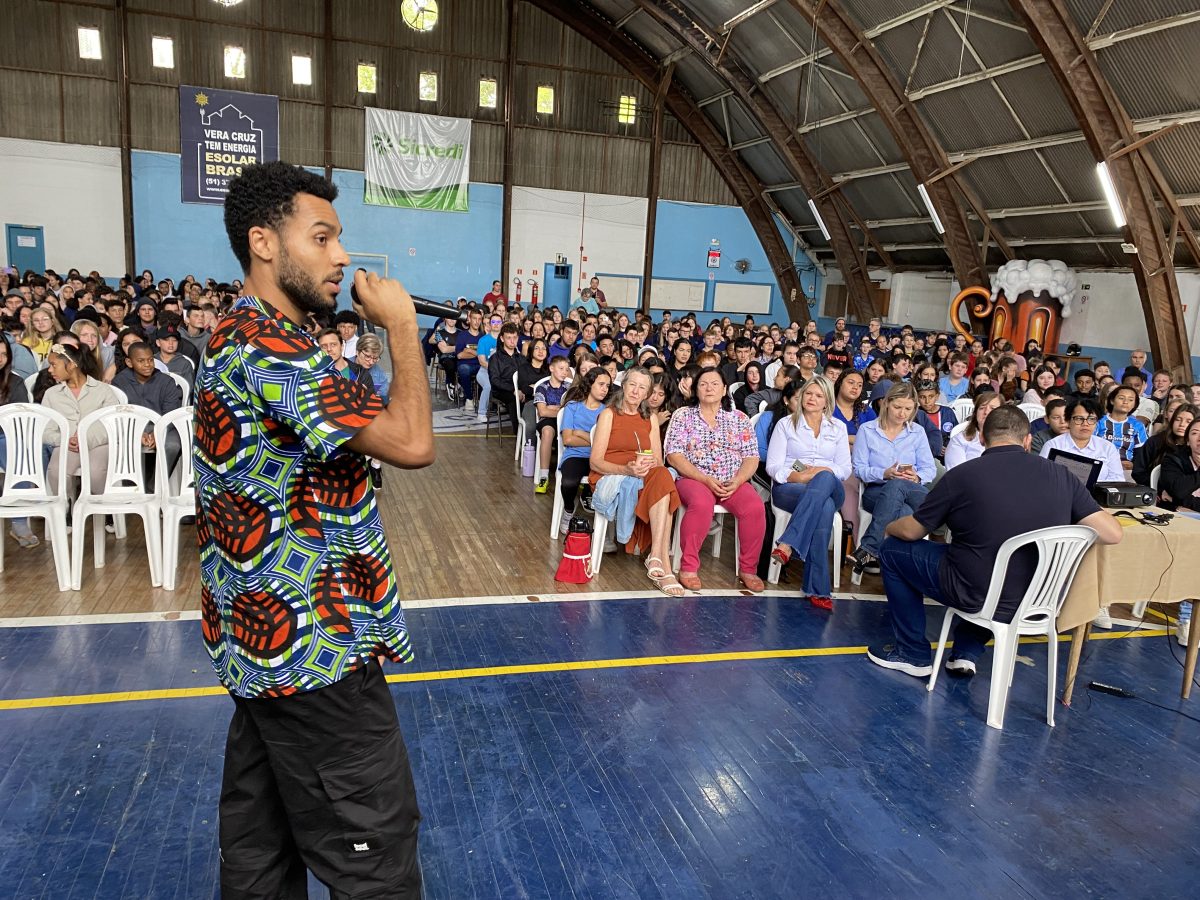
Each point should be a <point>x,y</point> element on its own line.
<point>417,161</point>
<point>220,132</point>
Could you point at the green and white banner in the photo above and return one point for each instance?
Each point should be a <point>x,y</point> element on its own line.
<point>417,161</point>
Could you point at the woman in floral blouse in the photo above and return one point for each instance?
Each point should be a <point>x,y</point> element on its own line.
<point>713,448</point>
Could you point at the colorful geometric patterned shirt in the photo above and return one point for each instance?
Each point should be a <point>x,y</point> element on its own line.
<point>297,588</point>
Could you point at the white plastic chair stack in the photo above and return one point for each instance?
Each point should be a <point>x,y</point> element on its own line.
<point>175,502</point>
<point>124,487</point>
<point>24,427</point>
<point>1060,550</point>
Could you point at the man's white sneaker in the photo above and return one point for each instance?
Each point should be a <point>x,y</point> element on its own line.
<point>1181,632</point>
<point>1103,619</point>
<point>963,668</point>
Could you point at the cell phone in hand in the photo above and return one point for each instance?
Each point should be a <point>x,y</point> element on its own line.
<point>904,468</point>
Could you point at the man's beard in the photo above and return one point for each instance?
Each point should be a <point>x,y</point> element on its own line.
<point>301,288</point>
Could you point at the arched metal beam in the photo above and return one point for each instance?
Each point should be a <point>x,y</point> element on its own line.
<point>922,152</point>
<point>1108,130</point>
<point>602,32</point>
<point>714,50</point>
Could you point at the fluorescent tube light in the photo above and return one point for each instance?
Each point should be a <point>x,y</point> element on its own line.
<point>812,205</point>
<point>937,221</point>
<point>1110,194</point>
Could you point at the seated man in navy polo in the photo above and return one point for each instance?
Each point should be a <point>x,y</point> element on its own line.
<point>1005,492</point>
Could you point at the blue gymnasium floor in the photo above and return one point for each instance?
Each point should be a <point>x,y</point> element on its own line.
<point>809,776</point>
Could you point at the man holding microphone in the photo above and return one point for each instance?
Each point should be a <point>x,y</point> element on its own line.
<point>299,602</point>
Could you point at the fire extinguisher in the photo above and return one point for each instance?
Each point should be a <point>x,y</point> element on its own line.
<point>517,282</point>
<point>533,292</point>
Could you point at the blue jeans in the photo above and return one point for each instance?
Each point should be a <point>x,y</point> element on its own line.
<point>910,574</point>
<point>808,533</point>
<point>888,501</point>
<point>485,388</point>
<point>466,377</point>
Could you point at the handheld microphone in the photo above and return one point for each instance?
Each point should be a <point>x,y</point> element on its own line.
<point>424,307</point>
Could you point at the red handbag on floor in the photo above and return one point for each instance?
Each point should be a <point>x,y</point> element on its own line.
<point>576,564</point>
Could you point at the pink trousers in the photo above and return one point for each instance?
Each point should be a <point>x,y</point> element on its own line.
<point>698,502</point>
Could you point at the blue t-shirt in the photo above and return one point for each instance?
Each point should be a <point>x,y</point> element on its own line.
<point>951,392</point>
<point>861,418</point>
<point>487,346</point>
<point>1126,436</point>
<point>576,415</point>
<point>463,339</point>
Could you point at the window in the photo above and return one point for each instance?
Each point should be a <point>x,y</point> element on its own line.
<point>89,43</point>
<point>627,110</point>
<point>487,93</point>
<point>366,78</point>
<point>235,62</point>
<point>419,15</point>
<point>545,100</point>
<point>301,70</point>
<point>162,51</point>
<point>427,87</point>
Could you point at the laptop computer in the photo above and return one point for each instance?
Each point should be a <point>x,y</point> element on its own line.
<point>1082,467</point>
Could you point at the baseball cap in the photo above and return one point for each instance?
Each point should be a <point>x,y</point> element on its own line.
<point>169,331</point>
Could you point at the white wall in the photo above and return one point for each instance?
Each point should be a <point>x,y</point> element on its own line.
<point>921,300</point>
<point>545,223</point>
<point>74,193</point>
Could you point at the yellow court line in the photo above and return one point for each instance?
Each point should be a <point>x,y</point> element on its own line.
<point>1158,615</point>
<point>499,671</point>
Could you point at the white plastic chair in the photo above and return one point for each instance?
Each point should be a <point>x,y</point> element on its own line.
<point>1033,411</point>
<point>556,511</point>
<point>963,408</point>
<point>24,427</point>
<point>124,487</point>
<point>183,385</point>
<point>29,383</point>
<point>733,388</point>
<point>1139,608</point>
<point>958,429</point>
<point>864,522</point>
<point>782,518</point>
<point>122,397</point>
<point>175,502</point>
<point>520,420</point>
<point>1060,550</point>
<point>717,532</point>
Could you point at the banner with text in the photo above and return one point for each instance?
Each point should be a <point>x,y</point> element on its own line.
<point>219,133</point>
<point>417,161</point>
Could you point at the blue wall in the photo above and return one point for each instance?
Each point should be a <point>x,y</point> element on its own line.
<point>453,253</point>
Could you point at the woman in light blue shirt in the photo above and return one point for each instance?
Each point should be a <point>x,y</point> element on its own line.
<point>808,458</point>
<point>893,461</point>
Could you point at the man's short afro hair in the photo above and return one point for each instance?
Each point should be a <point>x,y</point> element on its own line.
<point>262,196</point>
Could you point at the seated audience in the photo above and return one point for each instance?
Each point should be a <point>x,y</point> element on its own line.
<point>1021,493</point>
<point>75,395</point>
<point>483,352</point>
<point>968,443</point>
<point>466,345</point>
<point>808,460</point>
<point>954,383</point>
<point>39,335</point>
<point>167,339</point>
<point>1081,438</point>
<point>770,391</point>
<point>103,356</point>
<point>548,398</point>
<point>1043,382</point>
<point>12,390</point>
<point>1152,453</point>
<point>630,484</point>
<point>1052,425</point>
<point>1118,428</point>
<point>1085,385</point>
<point>892,460</point>
<point>145,386</point>
<point>347,323</point>
<point>941,417</point>
<point>711,445</point>
<point>503,365</point>
<point>1147,409</point>
<point>752,382</point>
<point>582,404</point>
<point>443,340</point>
<point>331,342</point>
